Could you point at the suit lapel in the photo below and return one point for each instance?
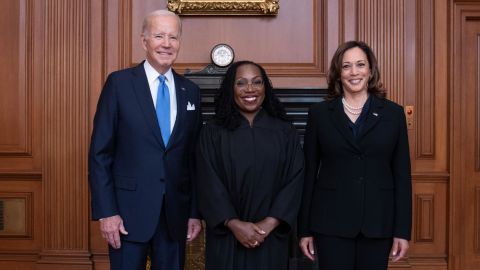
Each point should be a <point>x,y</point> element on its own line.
<point>180,92</point>
<point>338,118</point>
<point>373,117</point>
<point>144,97</point>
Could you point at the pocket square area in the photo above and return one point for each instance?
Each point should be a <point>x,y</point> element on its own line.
<point>190,107</point>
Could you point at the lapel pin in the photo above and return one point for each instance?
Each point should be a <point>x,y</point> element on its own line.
<point>183,88</point>
<point>375,114</point>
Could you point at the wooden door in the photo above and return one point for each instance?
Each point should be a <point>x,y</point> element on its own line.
<point>465,122</point>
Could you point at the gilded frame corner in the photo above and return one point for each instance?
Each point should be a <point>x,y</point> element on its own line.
<point>224,7</point>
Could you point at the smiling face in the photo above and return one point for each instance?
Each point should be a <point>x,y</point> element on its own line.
<point>249,90</point>
<point>161,41</point>
<point>355,71</point>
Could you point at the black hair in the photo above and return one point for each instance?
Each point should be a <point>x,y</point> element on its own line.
<point>227,114</point>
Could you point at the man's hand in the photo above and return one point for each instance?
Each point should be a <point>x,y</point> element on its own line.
<point>306,245</point>
<point>194,229</point>
<point>111,227</point>
<point>247,233</point>
<point>399,248</point>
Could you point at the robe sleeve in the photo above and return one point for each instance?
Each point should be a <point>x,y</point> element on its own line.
<point>213,198</point>
<point>287,201</point>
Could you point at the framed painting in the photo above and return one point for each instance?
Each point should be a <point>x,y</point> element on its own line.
<point>224,7</point>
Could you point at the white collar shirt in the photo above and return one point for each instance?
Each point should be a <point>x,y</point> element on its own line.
<point>154,82</point>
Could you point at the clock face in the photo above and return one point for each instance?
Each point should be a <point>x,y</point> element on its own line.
<point>222,55</point>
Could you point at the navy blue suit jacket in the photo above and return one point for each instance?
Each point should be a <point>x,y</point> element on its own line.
<point>357,184</point>
<point>130,168</point>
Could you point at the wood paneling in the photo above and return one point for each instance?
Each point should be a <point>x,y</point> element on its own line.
<point>425,217</point>
<point>425,94</point>
<point>65,137</point>
<point>14,97</point>
<point>19,99</point>
<point>464,231</point>
<point>56,55</point>
<point>381,25</point>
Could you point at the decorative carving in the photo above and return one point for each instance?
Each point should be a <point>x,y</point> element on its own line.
<point>424,219</point>
<point>238,7</point>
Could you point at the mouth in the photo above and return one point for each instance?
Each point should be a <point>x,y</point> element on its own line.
<point>250,99</point>
<point>355,81</point>
<point>164,53</point>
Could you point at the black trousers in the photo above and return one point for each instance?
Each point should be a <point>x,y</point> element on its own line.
<point>359,253</point>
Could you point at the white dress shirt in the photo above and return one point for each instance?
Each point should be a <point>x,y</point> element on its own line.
<point>154,82</point>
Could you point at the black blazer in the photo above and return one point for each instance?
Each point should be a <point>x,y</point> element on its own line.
<point>360,184</point>
<point>130,169</point>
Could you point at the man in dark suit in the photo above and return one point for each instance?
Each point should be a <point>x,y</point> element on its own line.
<point>141,155</point>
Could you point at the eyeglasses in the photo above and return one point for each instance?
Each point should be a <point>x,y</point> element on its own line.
<point>242,84</point>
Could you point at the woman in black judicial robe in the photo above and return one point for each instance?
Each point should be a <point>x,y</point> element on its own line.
<point>250,174</point>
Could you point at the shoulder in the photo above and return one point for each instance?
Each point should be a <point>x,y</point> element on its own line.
<point>281,125</point>
<point>322,107</point>
<point>391,106</point>
<point>188,84</point>
<point>124,74</point>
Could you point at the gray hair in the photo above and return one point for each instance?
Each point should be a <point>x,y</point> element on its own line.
<point>157,13</point>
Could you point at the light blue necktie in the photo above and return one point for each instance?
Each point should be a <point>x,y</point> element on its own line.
<point>163,109</point>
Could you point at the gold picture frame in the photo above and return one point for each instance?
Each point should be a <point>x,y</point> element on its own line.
<point>224,7</point>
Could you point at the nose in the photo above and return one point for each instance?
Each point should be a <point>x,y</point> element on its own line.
<point>249,87</point>
<point>165,42</point>
<point>353,70</point>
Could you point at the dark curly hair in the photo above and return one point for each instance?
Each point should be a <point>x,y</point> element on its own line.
<point>227,114</point>
<point>335,88</point>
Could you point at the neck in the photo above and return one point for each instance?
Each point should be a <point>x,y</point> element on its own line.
<point>250,117</point>
<point>356,99</point>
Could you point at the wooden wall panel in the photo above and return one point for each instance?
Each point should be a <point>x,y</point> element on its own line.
<point>425,97</point>
<point>19,99</point>
<point>14,97</point>
<point>65,137</point>
<point>465,106</point>
<point>381,25</point>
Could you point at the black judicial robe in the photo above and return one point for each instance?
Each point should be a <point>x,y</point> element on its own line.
<point>249,173</point>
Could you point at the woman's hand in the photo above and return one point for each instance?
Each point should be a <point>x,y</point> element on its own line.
<point>248,234</point>
<point>306,245</point>
<point>268,224</point>
<point>399,248</point>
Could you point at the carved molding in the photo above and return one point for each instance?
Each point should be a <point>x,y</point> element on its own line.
<point>425,70</point>
<point>431,177</point>
<point>424,218</point>
<point>65,133</point>
<point>476,229</point>
<point>477,110</point>
<point>238,7</point>
<point>381,25</point>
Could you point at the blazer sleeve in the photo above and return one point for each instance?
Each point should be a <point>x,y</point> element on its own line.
<point>403,182</point>
<point>311,150</point>
<point>101,153</point>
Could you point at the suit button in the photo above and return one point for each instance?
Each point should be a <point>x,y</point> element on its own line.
<point>162,180</point>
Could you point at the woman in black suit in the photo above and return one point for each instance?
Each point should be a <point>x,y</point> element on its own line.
<point>356,205</point>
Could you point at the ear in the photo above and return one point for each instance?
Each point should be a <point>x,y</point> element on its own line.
<point>144,42</point>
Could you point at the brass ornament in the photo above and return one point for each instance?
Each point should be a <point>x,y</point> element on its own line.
<point>216,7</point>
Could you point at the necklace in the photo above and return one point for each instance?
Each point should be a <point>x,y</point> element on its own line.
<point>351,109</point>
